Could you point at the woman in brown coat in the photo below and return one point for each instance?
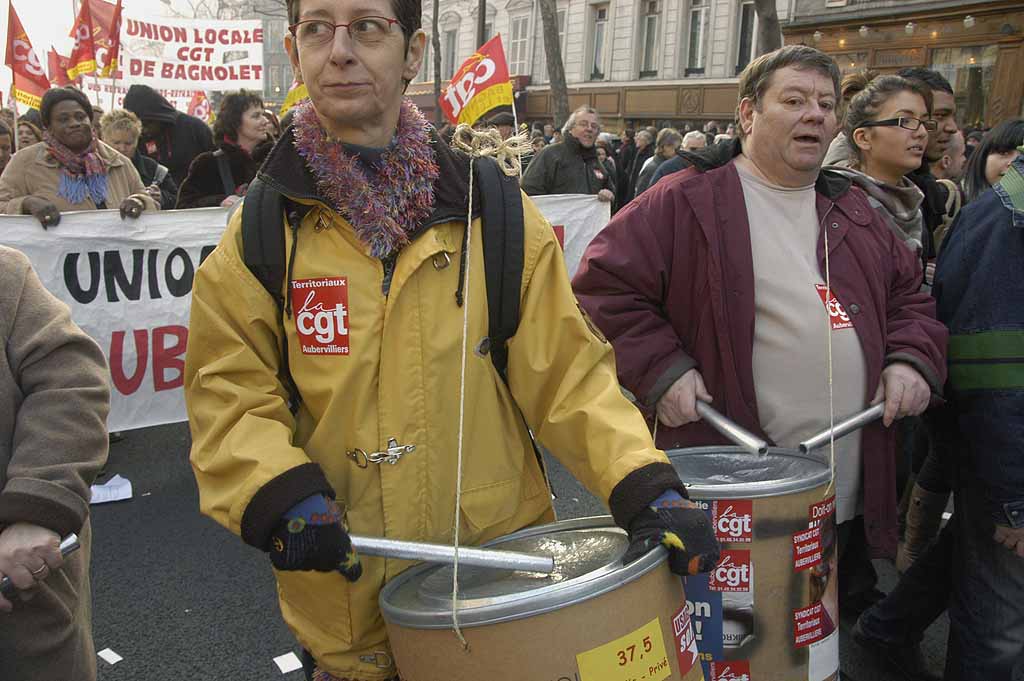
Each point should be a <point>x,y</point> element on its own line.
<point>54,399</point>
<point>70,169</point>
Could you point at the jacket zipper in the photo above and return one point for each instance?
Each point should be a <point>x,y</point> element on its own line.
<point>388,263</point>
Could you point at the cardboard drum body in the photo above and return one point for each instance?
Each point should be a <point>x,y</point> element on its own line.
<point>769,611</point>
<point>593,619</point>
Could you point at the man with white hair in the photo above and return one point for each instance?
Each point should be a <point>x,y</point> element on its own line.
<point>571,166</point>
<point>694,141</point>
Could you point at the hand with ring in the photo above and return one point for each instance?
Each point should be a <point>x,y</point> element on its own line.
<point>132,207</point>
<point>43,210</point>
<point>28,555</point>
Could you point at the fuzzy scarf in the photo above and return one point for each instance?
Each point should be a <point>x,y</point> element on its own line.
<point>82,174</point>
<point>900,206</point>
<point>388,210</point>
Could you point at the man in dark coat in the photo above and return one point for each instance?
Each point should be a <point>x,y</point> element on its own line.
<point>571,166</point>
<point>713,285</point>
<point>171,137</point>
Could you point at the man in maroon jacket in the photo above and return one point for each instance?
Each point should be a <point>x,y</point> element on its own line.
<point>712,285</point>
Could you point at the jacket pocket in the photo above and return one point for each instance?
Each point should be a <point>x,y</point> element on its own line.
<point>314,604</point>
<point>490,505</point>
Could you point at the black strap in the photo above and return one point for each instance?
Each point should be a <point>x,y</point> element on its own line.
<point>264,253</point>
<point>224,168</point>
<point>503,228</point>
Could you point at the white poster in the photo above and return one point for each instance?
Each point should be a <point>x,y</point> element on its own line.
<point>99,91</point>
<point>128,284</point>
<point>192,54</point>
<point>576,219</point>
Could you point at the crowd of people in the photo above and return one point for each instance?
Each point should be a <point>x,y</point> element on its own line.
<point>874,258</point>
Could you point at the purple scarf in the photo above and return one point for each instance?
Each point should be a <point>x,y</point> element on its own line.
<point>82,174</point>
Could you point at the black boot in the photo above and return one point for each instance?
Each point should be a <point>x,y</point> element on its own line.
<point>905,660</point>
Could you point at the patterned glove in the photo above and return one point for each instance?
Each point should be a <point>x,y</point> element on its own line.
<point>311,536</point>
<point>680,526</point>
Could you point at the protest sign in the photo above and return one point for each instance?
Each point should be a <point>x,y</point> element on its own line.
<point>128,284</point>
<point>576,219</point>
<point>193,54</point>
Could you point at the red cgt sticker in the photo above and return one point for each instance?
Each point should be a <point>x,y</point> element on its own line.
<point>836,314</point>
<point>321,315</point>
<point>733,520</point>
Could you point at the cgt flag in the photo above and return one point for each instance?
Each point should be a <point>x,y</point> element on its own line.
<point>480,84</point>
<point>58,67</point>
<point>199,106</point>
<point>83,57</point>
<point>106,36</point>
<point>30,81</point>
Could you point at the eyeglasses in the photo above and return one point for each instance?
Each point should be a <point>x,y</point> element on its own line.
<point>590,126</point>
<point>364,30</point>
<point>905,122</point>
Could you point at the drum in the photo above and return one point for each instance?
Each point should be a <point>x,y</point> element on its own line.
<point>769,611</point>
<point>593,618</point>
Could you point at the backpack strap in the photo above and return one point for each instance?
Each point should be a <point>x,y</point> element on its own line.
<point>263,250</point>
<point>224,168</point>
<point>503,229</point>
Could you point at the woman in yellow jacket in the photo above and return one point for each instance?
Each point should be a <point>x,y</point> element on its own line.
<point>374,345</point>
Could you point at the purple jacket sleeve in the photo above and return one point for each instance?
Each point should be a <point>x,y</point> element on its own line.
<point>623,283</point>
<point>914,335</point>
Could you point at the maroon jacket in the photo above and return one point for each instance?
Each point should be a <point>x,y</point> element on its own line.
<point>670,282</point>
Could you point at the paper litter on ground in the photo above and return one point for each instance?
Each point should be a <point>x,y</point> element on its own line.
<point>115,489</point>
<point>288,662</point>
<point>109,656</point>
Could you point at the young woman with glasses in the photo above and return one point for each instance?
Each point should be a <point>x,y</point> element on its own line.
<point>886,128</point>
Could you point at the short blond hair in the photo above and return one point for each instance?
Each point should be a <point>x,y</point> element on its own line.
<point>120,119</point>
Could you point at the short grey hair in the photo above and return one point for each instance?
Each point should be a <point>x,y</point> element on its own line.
<point>694,135</point>
<point>647,134</point>
<point>571,121</point>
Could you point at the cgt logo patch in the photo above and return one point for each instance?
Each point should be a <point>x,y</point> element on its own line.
<point>733,520</point>
<point>321,315</point>
<point>733,670</point>
<point>734,572</point>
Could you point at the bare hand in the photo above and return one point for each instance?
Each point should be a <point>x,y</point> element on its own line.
<point>230,200</point>
<point>154,193</point>
<point>132,207</point>
<point>605,195</point>
<point>1011,538</point>
<point>678,406</point>
<point>28,554</point>
<point>904,390</point>
<point>42,209</point>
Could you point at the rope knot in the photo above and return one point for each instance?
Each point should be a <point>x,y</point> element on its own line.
<point>489,144</point>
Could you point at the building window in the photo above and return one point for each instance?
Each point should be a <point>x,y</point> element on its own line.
<point>427,67</point>
<point>748,22</point>
<point>449,52</point>
<point>561,16</point>
<point>275,79</point>
<point>649,25</point>
<point>697,42</point>
<point>599,31</point>
<point>851,62</point>
<point>488,31</point>
<point>970,71</point>
<point>520,33</point>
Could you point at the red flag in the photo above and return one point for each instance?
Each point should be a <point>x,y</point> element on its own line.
<point>480,84</point>
<point>58,68</point>
<point>30,81</point>
<point>106,35</point>
<point>199,106</point>
<point>83,58</point>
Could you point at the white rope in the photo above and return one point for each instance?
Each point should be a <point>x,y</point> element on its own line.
<point>477,144</point>
<point>831,403</point>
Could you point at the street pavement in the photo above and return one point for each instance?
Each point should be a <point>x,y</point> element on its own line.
<point>179,598</point>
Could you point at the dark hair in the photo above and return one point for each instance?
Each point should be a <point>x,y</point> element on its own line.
<point>56,95</point>
<point>6,130</point>
<point>866,104</point>
<point>756,77</point>
<point>229,115</point>
<point>1005,137</point>
<point>408,12</point>
<point>933,79</point>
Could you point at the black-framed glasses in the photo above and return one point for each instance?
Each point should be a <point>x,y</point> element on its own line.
<point>905,122</point>
<point>364,30</point>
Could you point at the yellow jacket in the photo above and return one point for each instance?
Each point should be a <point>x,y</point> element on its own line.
<point>400,379</point>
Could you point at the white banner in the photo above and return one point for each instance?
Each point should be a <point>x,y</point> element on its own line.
<point>98,90</point>
<point>576,219</point>
<point>128,284</point>
<point>187,54</point>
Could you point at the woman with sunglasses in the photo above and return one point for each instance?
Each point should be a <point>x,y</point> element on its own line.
<point>886,128</point>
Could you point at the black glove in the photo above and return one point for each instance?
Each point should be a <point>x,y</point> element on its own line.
<point>680,526</point>
<point>311,536</point>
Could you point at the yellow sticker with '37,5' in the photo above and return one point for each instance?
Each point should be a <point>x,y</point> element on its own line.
<point>638,656</point>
